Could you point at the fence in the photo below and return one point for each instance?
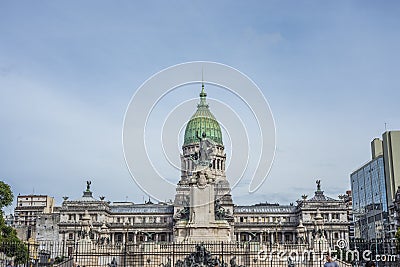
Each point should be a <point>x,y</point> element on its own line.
<point>85,253</point>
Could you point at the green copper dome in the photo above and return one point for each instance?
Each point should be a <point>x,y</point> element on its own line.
<point>202,121</point>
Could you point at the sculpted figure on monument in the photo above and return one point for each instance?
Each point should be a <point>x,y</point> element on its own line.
<point>201,257</point>
<point>183,214</point>
<point>219,210</point>
<point>202,179</point>
<point>202,159</point>
<point>205,149</point>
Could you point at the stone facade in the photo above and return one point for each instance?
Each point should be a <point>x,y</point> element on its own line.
<point>116,222</point>
<point>119,222</point>
<point>280,223</point>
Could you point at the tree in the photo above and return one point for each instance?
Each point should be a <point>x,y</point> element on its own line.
<point>6,195</point>
<point>9,242</point>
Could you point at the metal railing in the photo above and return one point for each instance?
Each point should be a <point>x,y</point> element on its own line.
<point>87,253</point>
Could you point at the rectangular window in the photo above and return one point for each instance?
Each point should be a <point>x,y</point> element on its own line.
<point>336,235</point>
<point>163,238</point>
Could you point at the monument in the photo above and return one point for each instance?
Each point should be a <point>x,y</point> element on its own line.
<point>205,218</point>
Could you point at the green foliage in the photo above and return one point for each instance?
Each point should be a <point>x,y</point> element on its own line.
<point>9,242</point>
<point>6,195</point>
<point>17,249</point>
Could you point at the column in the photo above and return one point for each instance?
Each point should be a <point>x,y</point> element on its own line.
<point>329,237</point>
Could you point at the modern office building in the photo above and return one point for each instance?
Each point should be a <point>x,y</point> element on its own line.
<point>391,155</point>
<point>370,208</point>
<point>394,217</point>
<point>374,187</point>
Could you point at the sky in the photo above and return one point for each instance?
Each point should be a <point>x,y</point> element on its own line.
<point>68,69</point>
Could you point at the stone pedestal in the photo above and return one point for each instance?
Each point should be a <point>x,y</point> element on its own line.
<point>202,204</point>
<point>202,225</point>
<point>217,231</point>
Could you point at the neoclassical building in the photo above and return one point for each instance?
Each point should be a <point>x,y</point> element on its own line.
<point>120,222</point>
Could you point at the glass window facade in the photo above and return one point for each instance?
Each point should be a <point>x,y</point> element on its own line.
<point>369,199</point>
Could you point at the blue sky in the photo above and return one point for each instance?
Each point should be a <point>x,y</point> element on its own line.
<point>329,70</point>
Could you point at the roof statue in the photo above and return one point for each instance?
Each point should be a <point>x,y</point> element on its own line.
<point>318,182</point>
<point>88,183</point>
